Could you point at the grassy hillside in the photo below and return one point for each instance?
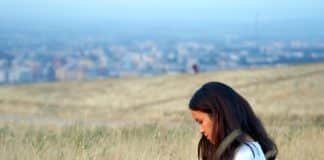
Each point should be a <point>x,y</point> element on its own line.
<point>147,118</point>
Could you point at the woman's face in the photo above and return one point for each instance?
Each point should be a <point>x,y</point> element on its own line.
<point>206,124</point>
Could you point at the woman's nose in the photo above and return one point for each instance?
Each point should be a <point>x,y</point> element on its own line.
<point>201,129</point>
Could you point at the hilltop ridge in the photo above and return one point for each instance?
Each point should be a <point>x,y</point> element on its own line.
<point>113,100</point>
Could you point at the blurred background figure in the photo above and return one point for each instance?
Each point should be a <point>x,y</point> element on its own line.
<point>195,69</point>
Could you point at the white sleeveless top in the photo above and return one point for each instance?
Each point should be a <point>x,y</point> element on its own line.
<point>249,151</point>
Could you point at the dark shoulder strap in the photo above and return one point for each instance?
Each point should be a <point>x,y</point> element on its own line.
<point>270,154</point>
<point>228,140</point>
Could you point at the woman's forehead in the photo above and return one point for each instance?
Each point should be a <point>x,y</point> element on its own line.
<point>198,114</point>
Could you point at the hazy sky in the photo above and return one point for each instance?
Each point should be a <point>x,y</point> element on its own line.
<point>158,11</point>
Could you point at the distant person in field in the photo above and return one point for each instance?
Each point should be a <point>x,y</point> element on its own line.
<point>195,68</point>
<point>229,127</point>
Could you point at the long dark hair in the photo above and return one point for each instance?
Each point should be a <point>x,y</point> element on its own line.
<point>230,112</point>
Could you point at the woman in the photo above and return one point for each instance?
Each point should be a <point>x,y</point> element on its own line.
<point>229,127</point>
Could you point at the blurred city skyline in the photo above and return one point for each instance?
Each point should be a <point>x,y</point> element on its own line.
<point>49,40</point>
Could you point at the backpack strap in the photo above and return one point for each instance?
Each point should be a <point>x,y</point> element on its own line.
<point>228,140</point>
<point>270,154</point>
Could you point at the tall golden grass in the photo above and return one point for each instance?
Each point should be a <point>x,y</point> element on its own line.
<point>147,118</point>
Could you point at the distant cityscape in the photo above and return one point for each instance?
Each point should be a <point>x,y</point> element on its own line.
<point>29,59</point>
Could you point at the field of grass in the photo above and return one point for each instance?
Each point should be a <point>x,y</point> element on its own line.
<point>148,118</point>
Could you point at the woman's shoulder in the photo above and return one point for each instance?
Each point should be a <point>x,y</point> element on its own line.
<point>249,151</point>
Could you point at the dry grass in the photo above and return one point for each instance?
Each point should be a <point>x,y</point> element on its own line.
<point>147,118</point>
